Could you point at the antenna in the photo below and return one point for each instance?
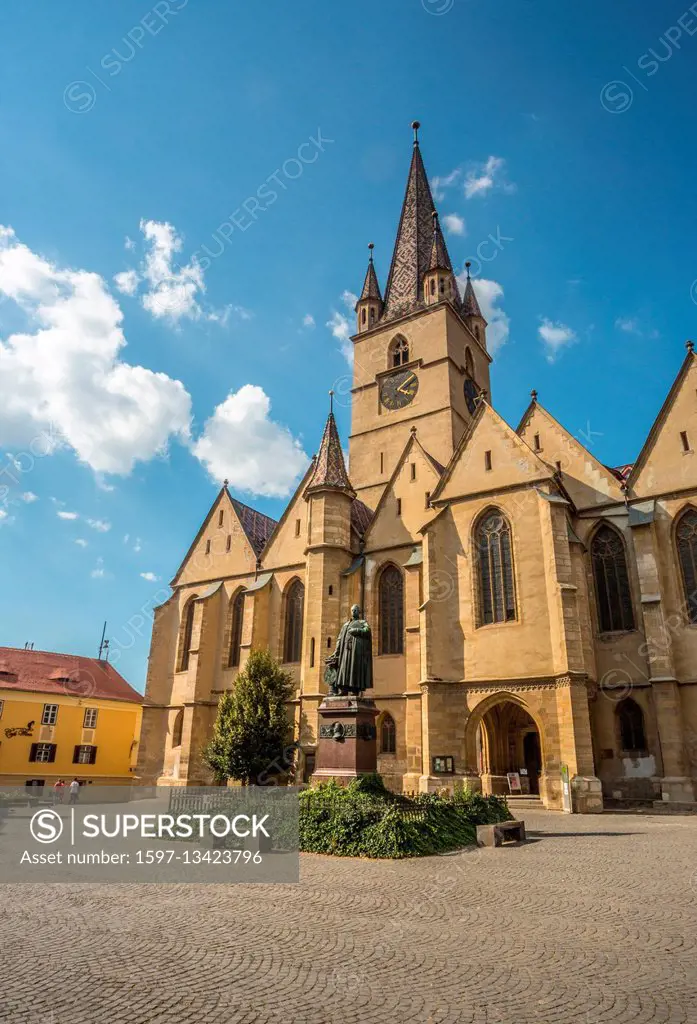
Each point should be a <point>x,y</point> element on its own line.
<point>103,644</point>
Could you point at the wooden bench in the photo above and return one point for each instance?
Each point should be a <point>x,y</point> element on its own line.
<point>503,831</point>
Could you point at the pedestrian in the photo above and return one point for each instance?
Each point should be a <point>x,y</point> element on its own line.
<point>59,791</point>
<point>74,791</point>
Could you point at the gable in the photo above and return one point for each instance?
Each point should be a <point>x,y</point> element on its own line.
<point>586,480</point>
<point>664,464</point>
<point>231,552</point>
<point>403,510</point>
<point>287,544</point>
<point>511,462</point>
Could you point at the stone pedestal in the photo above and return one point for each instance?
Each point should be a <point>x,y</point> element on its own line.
<point>347,745</point>
<point>586,794</point>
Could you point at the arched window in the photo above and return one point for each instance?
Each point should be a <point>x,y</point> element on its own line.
<point>631,721</point>
<point>612,591</point>
<point>494,557</point>
<point>388,735</point>
<point>236,616</point>
<point>686,536</point>
<point>399,351</point>
<point>295,607</point>
<point>186,633</point>
<point>177,729</point>
<point>391,600</point>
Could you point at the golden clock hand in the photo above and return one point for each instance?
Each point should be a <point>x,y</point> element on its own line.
<point>404,384</point>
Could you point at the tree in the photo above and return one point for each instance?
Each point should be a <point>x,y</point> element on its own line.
<point>252,730</point>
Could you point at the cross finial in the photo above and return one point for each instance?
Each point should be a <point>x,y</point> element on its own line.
<point>416,125</point>
<point>225,482</point>
<point>370,248</point>
<point>468,264</point>
<point>331,402</point>
<point>533,395</point>
<point>690,346</point>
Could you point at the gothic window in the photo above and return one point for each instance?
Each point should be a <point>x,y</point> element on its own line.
<point>686,537</point>
<point>631,722</point>
<point>236,616</point>
<point>186,633</point>
<point>494,562</point>
<point>388,735</point>
<point>177,729</point>
<point>399,352</point>
<point>295,606</point>
<point>391,601</point>
<point>612,591</point>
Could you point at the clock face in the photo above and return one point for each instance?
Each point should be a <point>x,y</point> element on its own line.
<point>471,394</point>
<point>399,389</point>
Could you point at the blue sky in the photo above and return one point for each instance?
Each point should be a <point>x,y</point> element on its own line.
<point>133,136</point>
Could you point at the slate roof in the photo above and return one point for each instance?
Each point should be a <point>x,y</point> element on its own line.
<point>361,516</point>
<point>371,286</point>
<point>68,675</point>
<point>330,468</point>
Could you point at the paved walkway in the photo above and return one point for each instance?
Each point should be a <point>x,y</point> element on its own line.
<point>593,921</point>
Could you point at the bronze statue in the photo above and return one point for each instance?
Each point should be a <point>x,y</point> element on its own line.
<point>350,668</point>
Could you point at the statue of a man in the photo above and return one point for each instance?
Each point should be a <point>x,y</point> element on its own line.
<point>350,667</point>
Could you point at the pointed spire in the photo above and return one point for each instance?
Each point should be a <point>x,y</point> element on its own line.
<point>412,251</point>
<point>330,468</point>
<point>371,286</point>
<point>440,260</point>
<point>470,305</point>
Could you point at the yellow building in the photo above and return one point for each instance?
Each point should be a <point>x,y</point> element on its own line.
<point>534,611</point>
<point>65,717</point>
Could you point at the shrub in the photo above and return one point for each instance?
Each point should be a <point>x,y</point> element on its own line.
<point>364,819</point>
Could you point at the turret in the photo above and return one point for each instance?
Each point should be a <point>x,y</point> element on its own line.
<point>369,305</point>
<point>439,280</point>
<point>471,313</point>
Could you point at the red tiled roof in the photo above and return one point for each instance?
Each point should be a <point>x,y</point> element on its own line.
<point>361,516</point>
<point>257,527</point>
<point>63,674</point>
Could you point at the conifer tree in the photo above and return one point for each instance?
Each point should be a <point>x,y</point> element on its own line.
<point>252,728</point>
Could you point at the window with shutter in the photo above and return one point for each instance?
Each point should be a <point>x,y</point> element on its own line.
<point>686,537</point>
<point>494,567</point>
<point>612,590</point>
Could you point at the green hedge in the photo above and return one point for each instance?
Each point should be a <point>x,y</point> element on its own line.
<point>364,819</point>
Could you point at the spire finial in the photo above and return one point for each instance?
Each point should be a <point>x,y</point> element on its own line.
<point>690,346</point>
<point>533,395</point>
<point>370,248</point>
<point>416,125</point>
<point>468,264</point>
<point>225,482</point>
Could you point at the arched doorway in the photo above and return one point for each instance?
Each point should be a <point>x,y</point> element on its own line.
<point>508,740</point>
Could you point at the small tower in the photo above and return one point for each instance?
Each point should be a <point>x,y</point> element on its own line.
<point>439,281</point>
<point>471,313</point>
<point>369,305</point>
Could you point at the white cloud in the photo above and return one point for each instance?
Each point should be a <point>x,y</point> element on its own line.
<point>81,543</point>
<point>101,525</point>
<point>129,243</point>
<point>28,497</point>
<point>150,577</point>
<point>4,517</point>
<point>454,224</point>
<point>489,294</point>
<point>98,572</point>
<point>137,546</point>
<point>67,515</point>
<point>242,443</point>
<point>555,337</point>
<point>482,178</point>
<point>308,320</point>
<point>61,377</point>
<point>127,282</point>
<point>341,329</point>
<point>349,300</point>
<point>439,185</point>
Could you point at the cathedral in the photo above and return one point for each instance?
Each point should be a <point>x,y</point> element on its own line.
<point>534,612</point>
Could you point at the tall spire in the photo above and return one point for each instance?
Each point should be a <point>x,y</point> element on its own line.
<point>371,286</point>
<point>470,305</point>
<point>412,251</point>
<point>330,468</point>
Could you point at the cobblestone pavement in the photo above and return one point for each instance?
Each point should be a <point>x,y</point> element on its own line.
<point>592,921</point>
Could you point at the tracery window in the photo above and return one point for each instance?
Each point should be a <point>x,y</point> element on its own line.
<point>686,537</point>
<point>236,616</point>
<point>399,352</point>
<point>388,735</point>
<point>612,590</point>
<point>391,602</point>
<point>295,609</point>
<point>494,563</point>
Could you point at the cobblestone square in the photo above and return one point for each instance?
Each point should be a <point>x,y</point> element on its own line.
<point>592,921</point>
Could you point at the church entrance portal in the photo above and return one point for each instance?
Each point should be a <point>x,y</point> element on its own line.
<point>508,740</point>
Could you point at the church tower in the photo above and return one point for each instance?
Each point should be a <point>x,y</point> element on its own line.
<point>420,357</point>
